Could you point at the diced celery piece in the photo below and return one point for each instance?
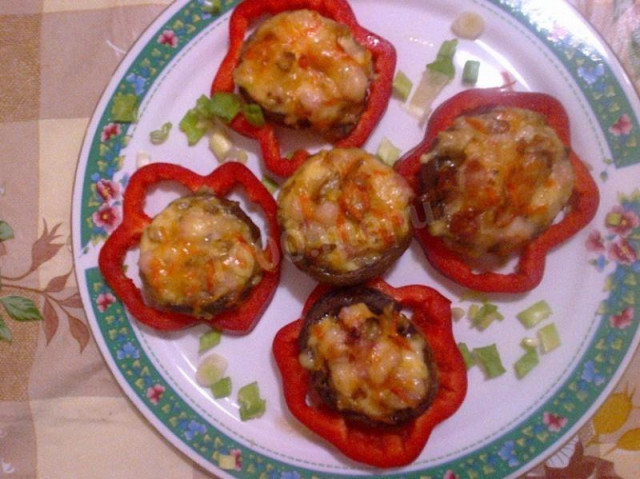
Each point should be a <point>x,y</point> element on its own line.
<point>535,313</point>
<point>221,388</point>
<point>469,359</point>
<point>208,340</point>
<point>488,358</point>
<point>402,85</point>
<point>251,404</point>
<point>210,370</point>
<point>388,152</point>
<point>125,108</point>
<point>470,72</point>
<point>526,363</point>
<point>549,338</point>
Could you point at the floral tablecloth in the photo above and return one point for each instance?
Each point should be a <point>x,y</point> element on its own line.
<point>62,415</point>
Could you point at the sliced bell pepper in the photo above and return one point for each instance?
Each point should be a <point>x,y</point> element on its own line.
<point>383,54</point>
<point>379,446</point>
<point>531,263</point>
<point>127,235</point>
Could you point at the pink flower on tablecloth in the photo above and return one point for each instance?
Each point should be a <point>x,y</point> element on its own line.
<point>622,252</point>
<point>108,190</point>
<point>237,454</point>
<point>168,37</point>
<point>622,320</point>
<point>104,300</point>
<point>625,221</point>
<point>155,392</point>
<point>107,217</point>
<point>623,126</point>
<point>595,242</point>
<point>554,422</point>
<point>109,131</point>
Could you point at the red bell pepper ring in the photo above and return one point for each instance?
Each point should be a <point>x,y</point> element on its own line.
<point>384,58</point>
<point>240,319</point>
<point>531,263</point>
<point>379,446</point>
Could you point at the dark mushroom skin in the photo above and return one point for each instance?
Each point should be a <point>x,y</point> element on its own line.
<point>345,216</point>
<point>393,391</point>
<point>201,255</point>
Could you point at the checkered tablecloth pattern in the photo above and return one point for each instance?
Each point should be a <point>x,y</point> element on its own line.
<point>62,415</point>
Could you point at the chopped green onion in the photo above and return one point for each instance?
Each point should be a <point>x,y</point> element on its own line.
<point>191,126</point>
<point>212,6</point>
<point>125,108</point>
<point>251,404</point>
<point>549,338</point>
<point>388,152</point>
<point>225,105</point>
<point>402,85</point>
<point>253,114</point>
<point>208,340</point>
<point>488,358</point>
<point>219,143</point>
<point>448,49</point>
<point>529,343</point>
<point>469,359</point>
<point>534,314</point>
<point>221,388</point>
<point>160,135</point>
<point>526,363</point>
<point>470,72</point>
<point>485,315</point>
<point>473,311</point>
<point>270,184</point>
<point>444,60</point>
<point>210,370</point>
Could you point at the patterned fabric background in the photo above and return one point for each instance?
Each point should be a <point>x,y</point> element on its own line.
<point>62,415</point>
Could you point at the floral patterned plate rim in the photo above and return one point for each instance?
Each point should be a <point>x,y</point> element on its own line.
<point>592,282</point>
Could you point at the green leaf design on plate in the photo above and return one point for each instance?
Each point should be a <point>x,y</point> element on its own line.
<point>5,333</point>
<point>6,232</point>
<point>20,308</point>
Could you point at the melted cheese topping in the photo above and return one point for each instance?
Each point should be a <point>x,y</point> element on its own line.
<point>197,254</point>
<point>373,365</point>
<point>502,178</point>
<point>308,70</point>
<point>343,209</point>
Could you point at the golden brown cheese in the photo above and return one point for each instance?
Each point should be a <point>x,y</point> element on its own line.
<point>496,180</point>
<point>200,254</point>
<point>375,367</point>
<point>343,209</point>
<point>307,70</point>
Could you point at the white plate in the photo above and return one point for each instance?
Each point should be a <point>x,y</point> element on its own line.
<point>505,425</point>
